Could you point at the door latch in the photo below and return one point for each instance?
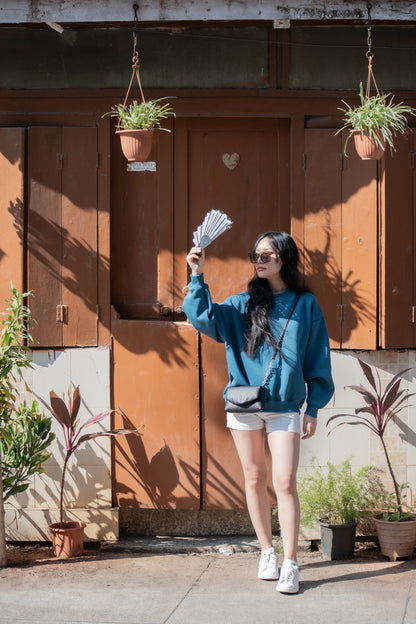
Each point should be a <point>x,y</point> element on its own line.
<point>62,313</point>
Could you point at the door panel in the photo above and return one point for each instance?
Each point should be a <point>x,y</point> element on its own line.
<point>79,241</point>
<point>341,238</point>
<point>398,256</point>
<point>44,233</point>
<point>323,224</point>
<point>242,168</point>
<point>12,162</point>
<point>62,235</point>
<point>359,252</point>
<point>156,389</point>
<point>142,232</point>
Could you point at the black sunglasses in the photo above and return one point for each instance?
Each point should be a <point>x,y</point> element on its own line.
<point>263,257</point>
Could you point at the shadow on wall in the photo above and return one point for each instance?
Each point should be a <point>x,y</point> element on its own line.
<point>328,280</point>
<point>156,479</point>
<point>45,237</point>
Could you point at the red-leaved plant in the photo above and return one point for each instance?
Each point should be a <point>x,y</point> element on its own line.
<point>379,408</point>
<point>67,417</point>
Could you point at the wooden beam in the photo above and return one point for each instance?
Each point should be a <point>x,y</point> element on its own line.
<point>74,11</point>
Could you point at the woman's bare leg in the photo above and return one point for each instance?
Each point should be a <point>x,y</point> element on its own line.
<point>250,446</point>
<point>284,447</point>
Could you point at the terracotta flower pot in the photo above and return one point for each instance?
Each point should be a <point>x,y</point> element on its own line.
<point>366,147</point>
<point>67,539</point>
<point>397,539</point>
<point>136,144</point>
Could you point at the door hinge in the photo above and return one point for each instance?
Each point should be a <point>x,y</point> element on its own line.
<point>340,161</point>
<point>412,314</point>
<point>60,161</point>
<point>412,160</point>
<point>341,311</point>
<point>62,313</point>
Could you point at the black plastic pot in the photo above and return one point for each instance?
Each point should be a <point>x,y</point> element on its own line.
<point>338,540</point>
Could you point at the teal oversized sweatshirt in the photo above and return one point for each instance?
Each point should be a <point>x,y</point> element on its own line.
<point>302,371</point>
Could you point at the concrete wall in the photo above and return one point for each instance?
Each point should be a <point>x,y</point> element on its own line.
<point>88,482</point>
<point>89,477</point>
<point>359,442</point>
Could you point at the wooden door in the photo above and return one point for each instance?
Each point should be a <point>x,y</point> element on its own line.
<point>156,371</point>
<point>62,235</point>
<point>242,168</point>
<point>340,241</point>
<point>398,240</point>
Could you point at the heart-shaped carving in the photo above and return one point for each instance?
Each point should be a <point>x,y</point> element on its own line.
<point>231,160</point>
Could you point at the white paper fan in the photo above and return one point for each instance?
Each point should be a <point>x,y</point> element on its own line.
<point>215,223</point>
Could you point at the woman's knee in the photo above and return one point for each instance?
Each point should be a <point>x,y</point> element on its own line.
<point>285,484</point>
<point>255,477</point>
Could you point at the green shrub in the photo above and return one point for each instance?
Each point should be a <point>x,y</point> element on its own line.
<point>24,442</point>
<point>337,494</point>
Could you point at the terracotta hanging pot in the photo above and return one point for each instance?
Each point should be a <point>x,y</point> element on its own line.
<point>396,539</point>
<point>136,144</point>
<point>67,539</point>
<point>366,147</point>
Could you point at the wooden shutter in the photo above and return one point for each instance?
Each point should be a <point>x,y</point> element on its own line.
<point>397,242</point>
<point>12,159</point>
<point>62,234</point>
<point>341,238</point>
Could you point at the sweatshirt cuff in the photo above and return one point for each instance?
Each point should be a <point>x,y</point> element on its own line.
<point>311,411</point>
<point>197,279</point>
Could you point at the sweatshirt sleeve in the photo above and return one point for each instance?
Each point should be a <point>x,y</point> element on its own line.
<point>209,318</point>
<point>317,366</point>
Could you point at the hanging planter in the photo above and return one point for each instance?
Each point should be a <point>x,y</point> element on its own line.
<point>136,145</point>
<point>366,146</point>
<point>138,121</point>
<point>376,121</point>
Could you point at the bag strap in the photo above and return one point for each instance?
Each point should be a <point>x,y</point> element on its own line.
<point>280,341</point>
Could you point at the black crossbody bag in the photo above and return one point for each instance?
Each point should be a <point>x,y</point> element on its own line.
<point>251,398</point>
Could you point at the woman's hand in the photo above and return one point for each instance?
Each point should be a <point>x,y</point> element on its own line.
<point>196,259</point>
<point>309,426</point>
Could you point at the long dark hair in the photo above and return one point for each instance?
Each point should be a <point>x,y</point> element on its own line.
<point>260,303</point>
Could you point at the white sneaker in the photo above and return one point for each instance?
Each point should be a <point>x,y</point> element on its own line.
<point>268,565</point>
<point>289,577</point>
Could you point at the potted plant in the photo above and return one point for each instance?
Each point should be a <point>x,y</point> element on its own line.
<point>68,536</point>
<point>136,126</point>
<point>396,528</point>
<point>375,122</point>
<point>336,496</point>
<point>24,432</point>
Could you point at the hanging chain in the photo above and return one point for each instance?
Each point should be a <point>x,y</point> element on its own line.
<point>135,53</point>
<point>135,65</point>
<point>369,54</point>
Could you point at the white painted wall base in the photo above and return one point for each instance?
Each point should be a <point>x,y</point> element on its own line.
<point>31,525</point>
<point>87,493</point>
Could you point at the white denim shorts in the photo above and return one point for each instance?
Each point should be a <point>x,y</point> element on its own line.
<point>273,421</point>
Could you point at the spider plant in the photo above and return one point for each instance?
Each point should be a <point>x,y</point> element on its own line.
<point>143,116</point>
<point>377,117</point>
<point>378,410</point>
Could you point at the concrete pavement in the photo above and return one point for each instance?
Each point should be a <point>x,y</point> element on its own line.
<point>204,581</point>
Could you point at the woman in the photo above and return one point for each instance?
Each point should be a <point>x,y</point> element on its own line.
<point>250,324</point>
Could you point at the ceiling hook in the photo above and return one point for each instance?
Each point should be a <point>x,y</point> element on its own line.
<point>135,9</point>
